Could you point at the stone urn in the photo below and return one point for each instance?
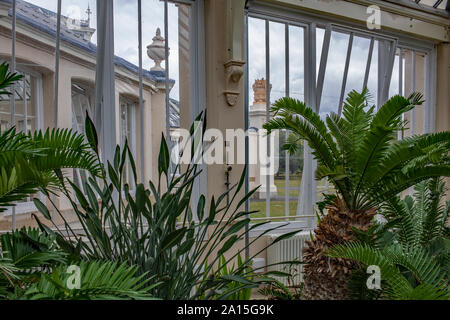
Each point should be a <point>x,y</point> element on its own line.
<point>156,51</point>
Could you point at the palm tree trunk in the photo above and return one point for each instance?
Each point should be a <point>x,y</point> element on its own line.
<point>327,278</point>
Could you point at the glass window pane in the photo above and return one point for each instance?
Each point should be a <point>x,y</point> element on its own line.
<point>334,73</point>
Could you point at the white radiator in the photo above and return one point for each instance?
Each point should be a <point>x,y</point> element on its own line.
<point>287,250</point>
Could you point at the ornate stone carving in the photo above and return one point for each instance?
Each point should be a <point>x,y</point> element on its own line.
<point>259,90</point>
<point>234,70</point>
<point>157,51</point>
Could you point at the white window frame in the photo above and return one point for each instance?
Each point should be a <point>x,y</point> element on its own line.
<point>130,109</point>
<point>28,206</point>
<point>310,22</point>
<point>89,94</point>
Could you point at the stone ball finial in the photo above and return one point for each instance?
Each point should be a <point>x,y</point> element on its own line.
<point>156,51</point>
<point>259,90</point>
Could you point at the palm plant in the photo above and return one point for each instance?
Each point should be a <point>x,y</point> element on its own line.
<point>33,162</point>
<point>358,153</point>
<point>412,247</point>
<point>98,281</point>
<point>156,228</point>
<point>32,267</point>
<point>24,255</point>
<point>421,221</point>
<point>7,78</point>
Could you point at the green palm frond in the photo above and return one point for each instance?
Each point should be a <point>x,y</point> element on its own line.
<point>402,155</point>
<point>420,221</point>
<point>65,148</point>
<point>378,138</point>
<point>292,115</point>
<point>353,125</point>
<point>398,181</point>
<point>294,108</point>
<point>389,114</point>
<point>358,151</point>
<point>370,256</point>
<point>29,249</point>
<point>424,268</point>
<point>7,78</point>
<point>32,163</point>
<point>22,180</point>
<point>417,262</point>
<point>98,281</point>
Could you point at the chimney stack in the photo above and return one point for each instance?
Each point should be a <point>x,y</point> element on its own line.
<point>259,90</point>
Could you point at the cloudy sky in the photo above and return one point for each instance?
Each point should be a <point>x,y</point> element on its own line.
<point>126,27</point>
<point>335,65</point>
<point>126,46</point>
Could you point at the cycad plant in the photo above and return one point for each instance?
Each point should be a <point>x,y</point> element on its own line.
<point>34,162</point>
<point>97,281</point>
<point>412,248</point>
<point>32,267</point>
<point>359,154</point>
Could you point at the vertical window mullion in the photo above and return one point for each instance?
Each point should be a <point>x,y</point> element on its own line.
<point>141,94</point>
<point>287,93</point>
<point>13,98</point>
<point>105,106</point>
<point>400,85</point>
<point>13,64</point>
<point>57,54</point>
<point>430,93</point>
<point>25,106</point>
<point>246,124</point>
<point>413,89</point>
<point>166,37</point>
<point>267,45</point>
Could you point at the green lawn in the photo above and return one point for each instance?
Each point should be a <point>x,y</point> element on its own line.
<point>294,181</point>
<point>277,207</point>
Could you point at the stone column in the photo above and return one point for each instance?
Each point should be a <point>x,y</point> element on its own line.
<point>443,88</point>
<point>442,122</point>
<point>224,79</point>
<point>257,118</point>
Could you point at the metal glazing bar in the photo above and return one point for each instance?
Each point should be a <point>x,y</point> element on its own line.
<point>25,106</point>
<point>388,72</point>
<point>344,80</point>
<point>369,62</point>
<point>413,89</point>
<point>167,84</point>
<point>267,50</point>
<point>437,3</point>
<point>141,94</point>
<point>413,114</point>
<point>430,91</point>
<point>400,85</point>
<point>57,54</point>
<point>287,93</point>
<point>323,65</point>
<point>13,98</point>
<point>246,124</point>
